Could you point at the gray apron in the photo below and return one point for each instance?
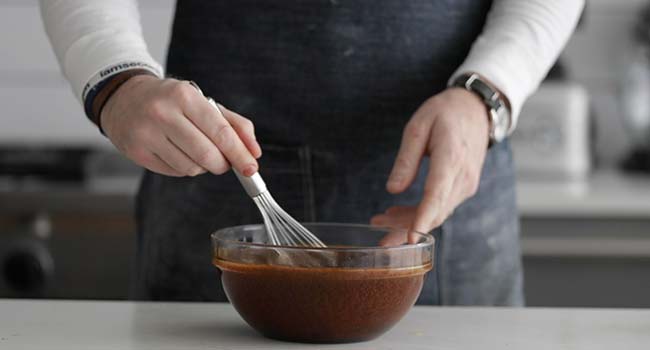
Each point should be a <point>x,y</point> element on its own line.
<point>329,86</point>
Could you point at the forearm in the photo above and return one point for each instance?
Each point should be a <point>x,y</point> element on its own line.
<point>95,39</point>
<point>520,42</point>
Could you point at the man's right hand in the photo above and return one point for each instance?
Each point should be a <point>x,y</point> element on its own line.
<point>168,127</point>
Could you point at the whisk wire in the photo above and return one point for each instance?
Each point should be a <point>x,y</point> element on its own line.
<point>272,222</point>
<point>304,235</point>
<point>281,227</point>
<point>270,230</point>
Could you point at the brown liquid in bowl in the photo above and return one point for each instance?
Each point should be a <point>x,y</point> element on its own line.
<point>321,304</point>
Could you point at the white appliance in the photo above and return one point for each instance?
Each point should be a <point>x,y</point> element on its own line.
<point>552,139</point>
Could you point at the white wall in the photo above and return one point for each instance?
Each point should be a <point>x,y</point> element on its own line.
<point>38,107</point>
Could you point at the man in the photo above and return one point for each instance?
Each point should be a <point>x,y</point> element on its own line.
<point>342,93</point>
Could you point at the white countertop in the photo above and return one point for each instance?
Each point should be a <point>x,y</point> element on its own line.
<point>86,325</point>
<point>607,193</point>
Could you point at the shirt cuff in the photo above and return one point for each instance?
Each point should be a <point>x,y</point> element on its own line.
<point>93,85</point>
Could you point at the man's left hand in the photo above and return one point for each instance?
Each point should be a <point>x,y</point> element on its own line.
<point>452,129</point>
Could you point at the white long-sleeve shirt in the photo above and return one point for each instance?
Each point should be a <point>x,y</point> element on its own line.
<point>94,39</point>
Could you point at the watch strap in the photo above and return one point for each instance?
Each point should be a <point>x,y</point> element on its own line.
<point>498,113</point>
<point>473,82</point>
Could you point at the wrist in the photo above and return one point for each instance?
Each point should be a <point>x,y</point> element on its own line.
<point>120,99</point>
<point>476,109</point>
<point>499,115</point>
<point>105,89</point>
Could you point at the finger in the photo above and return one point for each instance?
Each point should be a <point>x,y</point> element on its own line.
<point>399,219</point>
<point>396,233</point>
<point>152,162</point>
<point>397,237</point>
<point>464,187</point>
<point>175,158</point>
<point>394,237</point>
<point>401,210</point>
<point>244,128</point>
<point>219,131</point>
<point>434,204</point>
<point>396,216</point>
<point>456,197</point>
<point>411,151</point>
<point>439,184</point>
<point>191,141</point>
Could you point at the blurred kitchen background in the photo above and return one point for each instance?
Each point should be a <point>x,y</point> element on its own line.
<point>66,198</point>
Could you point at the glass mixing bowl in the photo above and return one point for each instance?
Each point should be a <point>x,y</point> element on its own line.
<point>355,289</point>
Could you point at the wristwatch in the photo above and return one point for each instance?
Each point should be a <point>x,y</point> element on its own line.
<point>499,115</point>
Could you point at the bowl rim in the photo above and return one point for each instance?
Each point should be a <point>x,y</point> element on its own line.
<point>429,239</point>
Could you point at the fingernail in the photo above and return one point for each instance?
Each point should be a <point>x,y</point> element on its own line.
<point>249,170</point>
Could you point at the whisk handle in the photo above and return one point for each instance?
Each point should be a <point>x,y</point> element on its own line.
<point>254,185</point>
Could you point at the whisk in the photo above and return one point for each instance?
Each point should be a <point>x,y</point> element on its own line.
<point>281,228</point>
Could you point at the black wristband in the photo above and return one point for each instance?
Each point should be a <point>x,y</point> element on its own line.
<point>99,94</point>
